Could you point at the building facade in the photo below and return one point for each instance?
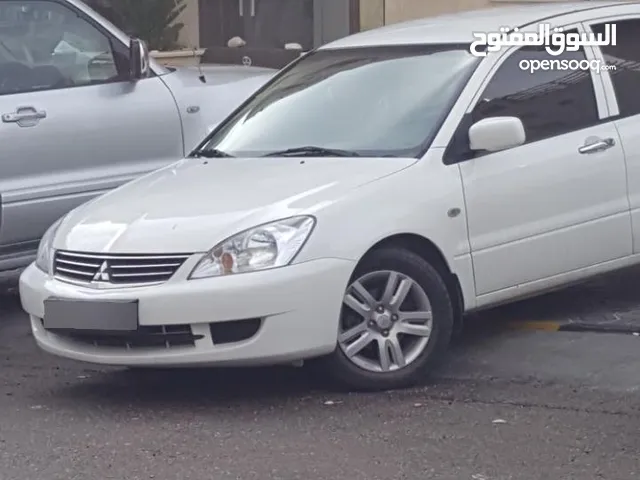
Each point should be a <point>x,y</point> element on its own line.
<point>310,23</point>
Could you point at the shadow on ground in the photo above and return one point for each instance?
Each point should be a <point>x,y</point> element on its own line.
<point>609,302</point>
<point>608,299</point>
<point>264,387</point>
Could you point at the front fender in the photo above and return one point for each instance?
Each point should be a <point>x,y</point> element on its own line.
<point>416,200</point>
<point>217,106</point>
<point>203,105</point>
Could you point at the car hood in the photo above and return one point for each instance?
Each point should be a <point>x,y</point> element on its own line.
<point>194,204</point>
<point>214,75</point>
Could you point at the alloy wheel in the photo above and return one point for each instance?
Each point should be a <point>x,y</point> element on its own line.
<point>387,321</point>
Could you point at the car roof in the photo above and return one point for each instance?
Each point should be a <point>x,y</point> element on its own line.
<point>459,27</point>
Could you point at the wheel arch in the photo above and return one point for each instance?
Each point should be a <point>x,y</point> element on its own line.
<point>430,252</point>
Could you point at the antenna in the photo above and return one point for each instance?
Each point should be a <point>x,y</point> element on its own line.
<point>201,75</point>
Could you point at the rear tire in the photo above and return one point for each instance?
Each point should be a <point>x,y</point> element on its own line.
<point>396,323</point>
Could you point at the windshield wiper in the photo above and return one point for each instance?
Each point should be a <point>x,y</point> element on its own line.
<point>312,151</point>
<point>210,153</point>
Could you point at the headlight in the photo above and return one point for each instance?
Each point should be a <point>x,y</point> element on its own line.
<point>44,258</point>
<point>266,246</point>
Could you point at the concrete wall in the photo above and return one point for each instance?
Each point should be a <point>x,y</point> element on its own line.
<point>330,20</point>
<point>400,10</point>
<point>190,34</point>
<point>375,13</point>
<point>372,13</point>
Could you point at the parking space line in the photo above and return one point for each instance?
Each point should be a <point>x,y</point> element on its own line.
<point>540,325</point>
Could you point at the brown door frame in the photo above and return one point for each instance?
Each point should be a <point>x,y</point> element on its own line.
<point>227,25</point>
<point>354,16</point>
<point>217,33</point>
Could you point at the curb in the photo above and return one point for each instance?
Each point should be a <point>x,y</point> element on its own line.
<point>555,326</point>
<point>600,328</point>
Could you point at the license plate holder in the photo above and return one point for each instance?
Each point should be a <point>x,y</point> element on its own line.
<point>117,316</point>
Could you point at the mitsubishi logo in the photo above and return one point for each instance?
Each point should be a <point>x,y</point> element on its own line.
<point>102,275</point>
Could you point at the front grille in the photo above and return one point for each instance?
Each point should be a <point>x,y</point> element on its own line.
<point>116,269</point>
<point>168,336</point>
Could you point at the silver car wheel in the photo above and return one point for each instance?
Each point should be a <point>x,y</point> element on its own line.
<point>387,321</point>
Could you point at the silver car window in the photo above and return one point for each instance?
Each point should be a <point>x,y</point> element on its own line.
<point>46,45</point>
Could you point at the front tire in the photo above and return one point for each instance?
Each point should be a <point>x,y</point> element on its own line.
<point>396,322</point>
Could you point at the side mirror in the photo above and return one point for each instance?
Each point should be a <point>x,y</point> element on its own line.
<point>139,59</point>
<point>496,133</point>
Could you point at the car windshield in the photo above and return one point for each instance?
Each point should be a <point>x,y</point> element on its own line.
<point>373,101</point>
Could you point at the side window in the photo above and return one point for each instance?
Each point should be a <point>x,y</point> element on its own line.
<point>549,101</point>
<point>45,45</point>
<point>625,55</point>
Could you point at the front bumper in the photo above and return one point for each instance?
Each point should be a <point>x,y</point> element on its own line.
<point>298,305</point>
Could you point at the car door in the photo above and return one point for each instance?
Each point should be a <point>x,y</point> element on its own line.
<point>72,124</point>
<point>557,203</point>
<point>621,82</point>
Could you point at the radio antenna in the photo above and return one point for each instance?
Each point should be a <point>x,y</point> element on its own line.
<point>192,45</point>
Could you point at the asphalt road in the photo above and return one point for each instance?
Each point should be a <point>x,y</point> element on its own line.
<point>523,405</point>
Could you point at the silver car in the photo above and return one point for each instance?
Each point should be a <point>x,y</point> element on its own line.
<point>83,110</point>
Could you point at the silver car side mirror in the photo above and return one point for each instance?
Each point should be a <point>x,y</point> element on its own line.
<point>138,59</point>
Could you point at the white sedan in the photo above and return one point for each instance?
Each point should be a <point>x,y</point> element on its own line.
<point>358,205</point>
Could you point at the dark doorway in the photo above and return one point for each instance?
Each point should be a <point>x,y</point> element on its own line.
<point>263,24</point>
<point>274,23</point>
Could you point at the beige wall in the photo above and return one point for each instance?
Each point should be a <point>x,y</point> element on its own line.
<point>400,10</point>
<point>190,34</point>
<point>372,12</point>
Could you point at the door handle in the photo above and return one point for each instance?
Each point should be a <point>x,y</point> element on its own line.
<point>596,145</point>
<point>24,116</point>
<point>253,8</point>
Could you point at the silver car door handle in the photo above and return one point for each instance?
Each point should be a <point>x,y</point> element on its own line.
<point>597,146</point>
<point>24,116</point>
<point>253,8</point>
<point>241,7</point>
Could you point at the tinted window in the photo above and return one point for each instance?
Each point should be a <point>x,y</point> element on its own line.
<point>44,45</point>
<point>374,101</point>
<point>625,55</point>
<point>549,102</point>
